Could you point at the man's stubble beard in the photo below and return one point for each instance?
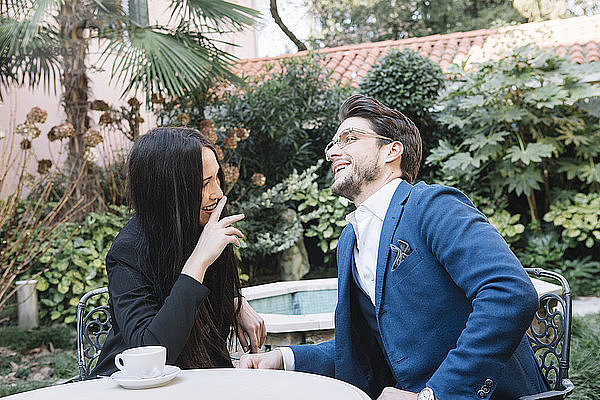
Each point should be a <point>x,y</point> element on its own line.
<point>353,184</point>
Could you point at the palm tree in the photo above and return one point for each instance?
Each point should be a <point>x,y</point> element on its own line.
<point>42,40</point>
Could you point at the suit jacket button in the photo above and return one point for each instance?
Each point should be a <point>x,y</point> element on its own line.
<point>489,383</point>
<point>481,394</point>
<point>486,389</point>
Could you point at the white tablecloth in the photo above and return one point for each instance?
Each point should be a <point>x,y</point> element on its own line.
<point>209,384</point>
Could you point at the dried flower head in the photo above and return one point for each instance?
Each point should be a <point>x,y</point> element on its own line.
<point>230,142</point>
<point>207,124</point>
<point>28,129</point>
<point>157,98</point>
<point>28,180</point>
<point>44,166</point>
<point>25,144</point>
<point>106,119</point>
<point>231,174</point>
<point>36,116</point>
<point>139,120</point>
<point>35,131</point>
<point>99,105</point>
<point>65,130</point>
<point>134,102</point>
<point>183,119</point>
<point>92,138</point>
<point>207,127</point>
<point>258,179</point>
<point>53,134</point>
<point>91,155</point>
<point>239,133</point>
<point>219,152</point>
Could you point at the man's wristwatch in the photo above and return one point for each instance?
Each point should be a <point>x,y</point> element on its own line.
<point>426,394</point>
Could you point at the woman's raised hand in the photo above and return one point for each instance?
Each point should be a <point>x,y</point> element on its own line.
<point>215,236</point>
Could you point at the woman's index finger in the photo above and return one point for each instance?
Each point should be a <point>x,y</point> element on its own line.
<point>214,217</point>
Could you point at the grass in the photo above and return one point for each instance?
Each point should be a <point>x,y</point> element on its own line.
<point>18,339</point>
<point>585,358</point>
<point>27,351</point>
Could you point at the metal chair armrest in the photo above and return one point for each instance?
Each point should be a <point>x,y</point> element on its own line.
<point>553,394</point>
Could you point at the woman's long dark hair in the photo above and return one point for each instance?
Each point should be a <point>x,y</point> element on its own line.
<point>164,173</point>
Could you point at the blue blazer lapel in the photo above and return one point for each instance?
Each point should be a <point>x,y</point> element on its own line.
<point>392,217</point>
<point>345,367</point>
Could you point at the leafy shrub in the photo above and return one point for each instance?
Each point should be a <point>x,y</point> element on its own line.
<point>507,225</point>
<point>406,81</point>
<point>549,250</point>
<point>323,216</point>
<point>290,113</point>
<point>271,225</point>
<point>544,250</point>
<point>579,218</point>
<point>69,271</point>
<point>21,340</point>
<point>410,83</point>
<point>524,131</point>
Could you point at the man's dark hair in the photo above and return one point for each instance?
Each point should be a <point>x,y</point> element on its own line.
<point>390,123</point>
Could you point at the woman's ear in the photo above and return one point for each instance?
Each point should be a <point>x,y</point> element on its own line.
<point>395,151</point>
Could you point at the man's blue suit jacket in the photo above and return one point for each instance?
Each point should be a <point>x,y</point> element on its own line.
<point>452,315</point>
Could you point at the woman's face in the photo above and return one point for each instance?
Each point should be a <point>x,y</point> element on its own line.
<point>211,186</point>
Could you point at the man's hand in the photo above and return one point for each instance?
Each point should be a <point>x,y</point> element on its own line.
<point>391,393</point>
<point>251,324</point>
<point>270,360</point>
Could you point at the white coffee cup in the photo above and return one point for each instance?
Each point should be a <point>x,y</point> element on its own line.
<point>142,362</point>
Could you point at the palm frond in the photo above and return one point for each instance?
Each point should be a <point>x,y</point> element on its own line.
<point>40,12</point>
<point>32,17</point>
<point>217,15</point>
<point>175,63</point>
<point>36,63</point>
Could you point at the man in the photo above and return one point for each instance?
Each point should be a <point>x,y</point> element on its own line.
<point>431,300</point>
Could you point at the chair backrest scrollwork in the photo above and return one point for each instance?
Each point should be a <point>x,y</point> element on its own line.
<point>92,327</point>
<point>550,331</point>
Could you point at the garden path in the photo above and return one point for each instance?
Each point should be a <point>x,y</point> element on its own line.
<point>586,305</point>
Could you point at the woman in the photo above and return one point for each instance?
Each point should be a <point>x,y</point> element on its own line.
<point>172,276</point>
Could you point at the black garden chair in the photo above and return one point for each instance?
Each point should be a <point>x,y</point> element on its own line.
<point>92,327</point>
<point>550,337</point>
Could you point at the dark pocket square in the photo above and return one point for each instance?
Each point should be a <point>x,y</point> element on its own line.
<point>400,252</point>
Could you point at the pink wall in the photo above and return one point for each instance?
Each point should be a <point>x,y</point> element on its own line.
<point>18,101</point>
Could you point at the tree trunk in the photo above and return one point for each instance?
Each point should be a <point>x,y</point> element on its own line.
<point>532,206</point>
<point>301,46</point>
<point>75,85</point>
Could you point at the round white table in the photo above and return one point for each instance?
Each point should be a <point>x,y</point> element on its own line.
<point>209,384</point>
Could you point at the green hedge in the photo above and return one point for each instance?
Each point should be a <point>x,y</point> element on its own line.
<point>69,271</point>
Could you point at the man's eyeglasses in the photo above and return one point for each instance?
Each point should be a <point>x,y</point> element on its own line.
<point>351,135</point>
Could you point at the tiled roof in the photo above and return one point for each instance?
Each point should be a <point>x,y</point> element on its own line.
<point>577,38</point>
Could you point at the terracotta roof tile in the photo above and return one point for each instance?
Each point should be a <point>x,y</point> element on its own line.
<point>577,38</point>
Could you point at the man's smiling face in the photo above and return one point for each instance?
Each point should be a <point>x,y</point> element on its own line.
<point>356,165</point>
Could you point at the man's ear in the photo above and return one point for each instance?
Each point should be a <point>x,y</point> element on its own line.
<point>395,151</point>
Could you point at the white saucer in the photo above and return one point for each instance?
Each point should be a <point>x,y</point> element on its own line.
<point>130,382</point>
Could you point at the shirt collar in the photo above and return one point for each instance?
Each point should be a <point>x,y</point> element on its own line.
<point>377,204</point>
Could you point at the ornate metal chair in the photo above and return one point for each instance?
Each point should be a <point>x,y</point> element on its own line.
<point>550,337</point>
<point>92,327</point>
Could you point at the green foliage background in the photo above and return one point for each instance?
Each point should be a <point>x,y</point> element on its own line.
<point>411,83</point>
<point>524,140</point>
<point>291,114</point>
<point>69,271</point>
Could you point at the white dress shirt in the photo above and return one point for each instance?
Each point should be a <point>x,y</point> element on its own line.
<point>367,221</point>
